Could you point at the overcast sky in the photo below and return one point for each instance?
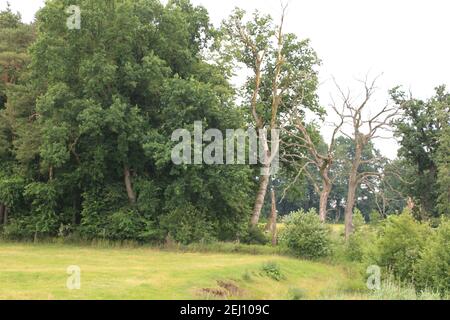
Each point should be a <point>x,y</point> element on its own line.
<point>406,40</point>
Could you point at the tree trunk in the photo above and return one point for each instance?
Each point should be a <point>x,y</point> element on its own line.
<point>324,201</point>
<point>263,179</point>
<point>352,185</point>
<point>259,203</point>
<point>351,197</point>
<point>338,214</point>
<point>273,219</point>
<point>2,212</point>
<point>129,185</point>
<point>76,208</point>
<point>410,204</point>
<point>50,173</point>
<point>5,216</point>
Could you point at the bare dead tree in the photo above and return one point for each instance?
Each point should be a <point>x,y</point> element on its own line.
<point>322,162</point>
<point>385,193</point>
<point>364,129</point>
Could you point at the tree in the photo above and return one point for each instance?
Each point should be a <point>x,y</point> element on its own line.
<point>365,128</point>
<point>319,156</point>
<point>92,124</point>
<point>443,156</point>
<point>368,191</point>
<point>423,134</point>
<point>15,37</point>
<point>282,78</point>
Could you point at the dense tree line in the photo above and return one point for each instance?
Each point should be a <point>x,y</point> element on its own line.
<point>86,127</point>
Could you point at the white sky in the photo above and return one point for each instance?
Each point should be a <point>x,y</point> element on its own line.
<point>406,40</point>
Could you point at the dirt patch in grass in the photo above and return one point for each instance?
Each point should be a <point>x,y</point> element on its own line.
<point>225,289</point>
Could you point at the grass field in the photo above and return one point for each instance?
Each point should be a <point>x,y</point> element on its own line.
<point>39,272</point>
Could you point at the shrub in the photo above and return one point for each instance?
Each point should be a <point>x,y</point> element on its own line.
<point>254,235</point>
<point>147,201</point>
<point>433,268</point>
<point>43,197</point>
<point>188,225</point>
<point>358,219</point>
<point>19,229</point>
<point>98,204</point>
<point>359,243</point>
<point>272,270</point>
<point>399,244</point>
<point>127,224</point>
<point>374,217</point>
<point>306,235</point>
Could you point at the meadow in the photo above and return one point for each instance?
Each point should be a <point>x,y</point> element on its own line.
<point>38,271</point>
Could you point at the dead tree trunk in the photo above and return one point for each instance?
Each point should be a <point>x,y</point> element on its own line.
<point>320,161</point>
<point>351,198</point>
<point>352,186</point>
<point>360,121</point>
<point>129,185</point>
<point>326,190</point>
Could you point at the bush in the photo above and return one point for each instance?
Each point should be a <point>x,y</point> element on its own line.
<point>273,271</point>
<point>19,229</point>
<point>374,217</point>
<point>306,235</point>
<point>399,244</point>
<point>433,268</point>
<point>358,219</point>
<point>255,235</point>
<point>188,225</point>
<point>44,199</point>
<point>128,224</point>
<point>359,244</point>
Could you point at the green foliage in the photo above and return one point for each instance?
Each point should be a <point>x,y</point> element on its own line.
<point>272,270</point>
<point>423,132</point>
<point>442,153</point>
<point>393,290</point>
<point>188,224</point>
<point>374,217</point>
<point>399,245</point>
<point>433,268</point>
<point>43,197</point>
<point>255,235</point>
<point>360,243</point>
<point>306,235</point>
<point>127,224</point>
<point>19,229</point>
<point>11,190</point>
<point>99,104</point>
<point>358,219</point>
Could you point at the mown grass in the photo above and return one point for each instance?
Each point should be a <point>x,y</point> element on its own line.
<point>38,271</point>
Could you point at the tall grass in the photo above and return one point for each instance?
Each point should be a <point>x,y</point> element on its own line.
<point>392,290</point>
